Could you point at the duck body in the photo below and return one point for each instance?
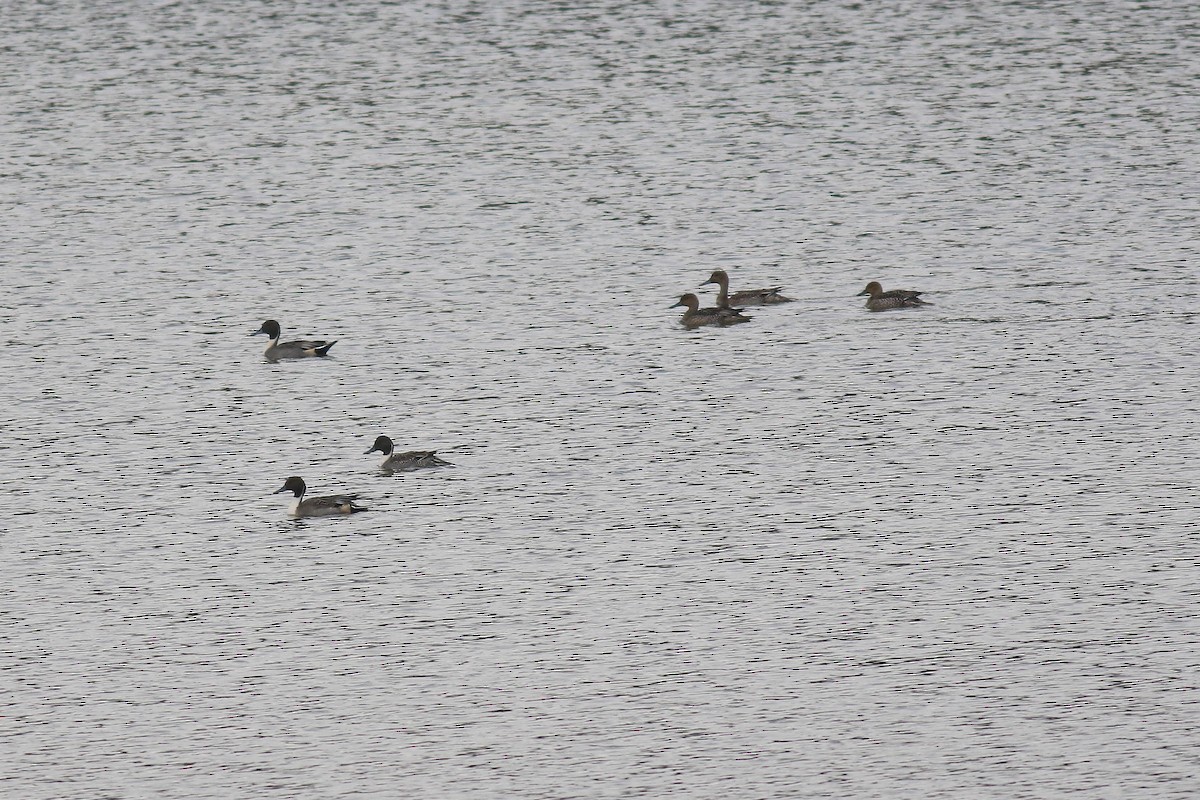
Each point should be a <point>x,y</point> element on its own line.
<point>328,506</point>
<point>407,461</point>
<point>301,348</point>
<point>879,300</point>
<point>695,316</point>
<point>746,297</point>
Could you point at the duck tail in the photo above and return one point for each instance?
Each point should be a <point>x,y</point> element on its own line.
<point>322,350</point>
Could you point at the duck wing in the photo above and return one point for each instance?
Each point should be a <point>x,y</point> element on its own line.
<point>759,297</point>
<point>413,459</point>
<point>333,500</point>
<point>731,316</point>
<point>307,344</point>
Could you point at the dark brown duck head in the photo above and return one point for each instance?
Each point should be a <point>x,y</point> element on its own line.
<point>690,301</point>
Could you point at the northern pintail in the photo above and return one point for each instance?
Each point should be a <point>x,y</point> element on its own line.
<point>695,316</point>
<point>880,300</point>
<point>747,297</point>
<point>403,462</point>
<point>298,349</point>
<point>329,506</point>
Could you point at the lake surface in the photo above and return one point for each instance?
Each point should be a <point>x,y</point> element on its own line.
<point>943,553</point>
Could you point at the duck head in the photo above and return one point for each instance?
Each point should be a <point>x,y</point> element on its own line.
<point>294,484</point>
<point>382,445</point>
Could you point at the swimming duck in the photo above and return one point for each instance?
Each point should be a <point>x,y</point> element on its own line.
<point>403,462</point>
<point>297,349</point>
<point>695,316</point>
<point>880,300</point>
<point>329,506</point>
<point>748,297</point>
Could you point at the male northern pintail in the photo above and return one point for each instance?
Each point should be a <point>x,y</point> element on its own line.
<point>298,349</point>
<point>747,297</point>
<point>695,316</point>
<point>403,462</point>
<point>329,506</point>
<point>880,300</point>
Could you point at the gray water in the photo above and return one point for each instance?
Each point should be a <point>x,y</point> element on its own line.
<point>943,553</point>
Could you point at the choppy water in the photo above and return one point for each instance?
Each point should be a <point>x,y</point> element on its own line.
<point>947,553</point>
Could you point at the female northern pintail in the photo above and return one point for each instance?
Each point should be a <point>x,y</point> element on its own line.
<point>747,297</point>
<point>329,506</point>
<point>695,316</point>
<point>403,462</point>
<point>880,300</point>
<point>298,349</point>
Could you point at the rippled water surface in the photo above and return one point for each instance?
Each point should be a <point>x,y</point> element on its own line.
<point>943,553</point>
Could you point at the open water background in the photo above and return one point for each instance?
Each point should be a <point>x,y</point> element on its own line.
<point>947,553</point>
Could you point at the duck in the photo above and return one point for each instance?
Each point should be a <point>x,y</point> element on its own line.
<point>298,349</point>
<point>330,506</point>
<point>404,462</point>
<point>748,297</point>
<point>880,300</point>
<point>695,316</point>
